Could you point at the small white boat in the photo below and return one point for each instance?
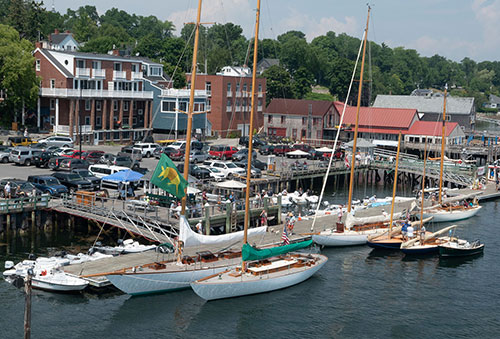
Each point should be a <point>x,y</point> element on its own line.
<point>446,215</point>
<point>56,280</point>
<point>330,238</point>
<point>260,277</point>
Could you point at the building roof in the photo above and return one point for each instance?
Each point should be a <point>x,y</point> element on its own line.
<point>427,104</point>
<point>377,116</point>
<point>55,62</point>
<point>265,63</point>
<point>84,55</point>
<point>298,107</point>
<point>494,99</point>
<point>57,38</point>
<point>431,128</point>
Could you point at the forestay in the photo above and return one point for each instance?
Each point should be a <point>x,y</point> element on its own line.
<point>191,238</point>
<point>249,252</point>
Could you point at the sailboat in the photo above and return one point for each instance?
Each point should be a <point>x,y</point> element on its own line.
<point>262,270</point>
<point>445,212</point>
<point>352,232</point>
<point>429,244</point>
<point>170,275</point>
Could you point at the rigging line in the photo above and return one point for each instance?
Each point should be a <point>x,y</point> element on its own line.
<point>337,135</point>
<point>225,31</point>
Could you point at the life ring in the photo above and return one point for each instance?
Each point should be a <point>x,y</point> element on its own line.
<point>44,273</point>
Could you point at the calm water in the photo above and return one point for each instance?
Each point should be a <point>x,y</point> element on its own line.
<point>358,294</point>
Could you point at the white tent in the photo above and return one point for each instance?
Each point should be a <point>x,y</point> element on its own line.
<point>192,190</point>
<point>297,153</point>
<point>230,184</point>
<point>324,149</point>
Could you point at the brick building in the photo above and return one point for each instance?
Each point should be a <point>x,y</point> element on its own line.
<point>103,95</point>
<point>229,99</point>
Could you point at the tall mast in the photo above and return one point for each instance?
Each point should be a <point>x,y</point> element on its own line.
<point>250,134</point>
<point>443,139</point>
<point>395,185</point>
<point>191,105</point>
<point>353,157</point>
<point>423,186</point>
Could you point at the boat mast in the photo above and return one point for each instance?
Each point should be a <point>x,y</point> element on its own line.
<point>250,134</point>
<point>353,156</point>
<point>395,185</point>
<point>191,105</point>
<point>423,186</point>
<point>443,139</point>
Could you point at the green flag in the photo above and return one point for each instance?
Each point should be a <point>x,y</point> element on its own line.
<point>168,178</point>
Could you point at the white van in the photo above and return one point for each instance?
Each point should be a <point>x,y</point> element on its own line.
<point>146,148</point>
<point>102,171</point>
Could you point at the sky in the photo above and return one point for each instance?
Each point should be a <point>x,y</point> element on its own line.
<point>451,28</point>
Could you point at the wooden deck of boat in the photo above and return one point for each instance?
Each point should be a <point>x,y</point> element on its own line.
<point>273,236</point>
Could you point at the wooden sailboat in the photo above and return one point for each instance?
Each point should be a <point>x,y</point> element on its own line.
<point>262,270</point>
<point>444,212</point>
<point>164,276</point>
<point>429,244</point>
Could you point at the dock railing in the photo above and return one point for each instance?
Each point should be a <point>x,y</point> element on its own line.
<point>24,203</point>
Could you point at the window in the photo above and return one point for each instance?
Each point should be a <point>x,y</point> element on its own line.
<point>260,102</point>
<point>52,83</point>
<point>52,104</point>
<point>283,119</point>
<point>37,64</point>
<point>294,133</point>
<point>87,105</point>
<point>229,87</point>
<point>318,134</point>
<point>304,120</point>
<point>260,88</point>
<point>117,66</point>
<point>229,103</point>
<point>155,71</point>
<point>188,85</point>
<point>208,104</point>
<point>115,105</point>
<point>135,86</point>
<point>80,63</point>
<point>96,64</point>
<point>134,105</point>
<point>168,106</point>
<point>269,118</point>
<point>183,106</point>
<point>98,105</point>
<point>87,120</point>
<point>125,105</point>
<point>245,88</point>
<point>237,87</point>
<point>135,68</point>
<point>98,121</point>
<point>208,87</point>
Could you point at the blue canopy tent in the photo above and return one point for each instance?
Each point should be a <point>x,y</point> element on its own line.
<point>123,179</point>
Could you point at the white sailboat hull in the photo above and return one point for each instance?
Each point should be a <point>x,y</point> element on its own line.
<point>149,283</point>
<point>248,284</point>
<point>449,216</point>
<point>69,284</point>
<point>347,238</point>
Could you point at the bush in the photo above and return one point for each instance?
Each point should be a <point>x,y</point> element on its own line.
<point>487,110</point>
<point>234,134</point>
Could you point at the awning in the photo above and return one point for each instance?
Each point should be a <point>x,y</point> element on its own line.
<point>124,176</point>
<point>230,184</point>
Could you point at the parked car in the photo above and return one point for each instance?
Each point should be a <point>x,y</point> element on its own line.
<point>87,175</point>
<point>302,147</point>
<point>102,171</point>
<point>197,156</point>
<point>92,157</point>
<point>63,150</point>
<point>255,172</point>
<point>257,142</point>
<point>222,152</point>
<point>315,155</point>
<point>23,155</point>
<point>196,171</point>
<point>177,145</point>
<point>228,168</point>
<point>146,148</point>
<point>266,149</point>
<point>259,164</point>
<point>242,154</point>
<point>71,164</point>
<point>38,146</point>
<point>73,181</point>
<point>20,141</point>
<point>134,154</point>
<point>58,141</point>
<point>195,145</point>
<point>167,150</point>
<point>55,162</point>
<point>215,173</point>
<point>4,154</point>
<point>18,188</point>
<point>42,159</point>
<point>119,160</point>
<point>106,158</point>
<point>177,155</point>
<point>75,154</point>
<point>281,150</point>
<point>48,184</point>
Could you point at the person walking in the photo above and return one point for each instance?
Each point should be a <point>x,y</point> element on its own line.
<point>199,227</point>
<point>7,190</point>
<point>263,218</point>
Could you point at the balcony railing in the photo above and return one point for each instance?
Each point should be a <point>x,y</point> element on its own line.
<point>229,94</point>
<point>64,129</point>
<point>237,109</point>
<point>119,74</point>
<point>98,73</point>
<point>82,72</point>
<point>238,94</point>
<point>259,108</point>
<point>260,94</point>
<point>172,92</point>
<point>93,93</point>
<point>228,108</point>
<point>136,75</point>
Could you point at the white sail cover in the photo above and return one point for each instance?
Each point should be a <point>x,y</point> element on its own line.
<point>351,220</point>
<point>191,238</point>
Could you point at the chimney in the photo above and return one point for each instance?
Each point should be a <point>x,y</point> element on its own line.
<point>67,31</point>
<point>38,44</point>
<point>56,31</point>
<point>115,52</point>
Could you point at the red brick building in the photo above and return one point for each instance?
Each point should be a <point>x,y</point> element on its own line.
<point>102,94</point>
<point>229,99</point>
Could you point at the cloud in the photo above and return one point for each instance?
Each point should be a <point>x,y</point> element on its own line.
<point>450,47</point>
<point>487,14</point>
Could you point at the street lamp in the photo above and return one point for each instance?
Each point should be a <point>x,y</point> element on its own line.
<point>80,123</point>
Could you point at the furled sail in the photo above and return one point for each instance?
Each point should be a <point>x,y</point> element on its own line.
<point>191,238</point>
<point>249,252</point>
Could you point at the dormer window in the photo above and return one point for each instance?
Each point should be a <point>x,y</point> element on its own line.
<point>155,71</point>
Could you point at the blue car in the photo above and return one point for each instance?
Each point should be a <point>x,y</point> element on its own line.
<point>48,184</point>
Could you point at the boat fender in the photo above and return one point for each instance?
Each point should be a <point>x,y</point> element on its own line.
<point>43,273</point>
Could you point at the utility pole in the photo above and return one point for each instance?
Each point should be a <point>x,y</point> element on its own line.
<point>27,306</point>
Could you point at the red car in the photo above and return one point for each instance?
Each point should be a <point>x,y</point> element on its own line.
<point>222,152</point>
<point>93,157</point>
<point>177,155</point>
<point>281,150</point>
<point>74,154</point>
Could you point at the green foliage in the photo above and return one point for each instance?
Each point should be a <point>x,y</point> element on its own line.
<point>487,110</point>
<point>319,96</point>
<point>278,83</point>
<point>17,74</point>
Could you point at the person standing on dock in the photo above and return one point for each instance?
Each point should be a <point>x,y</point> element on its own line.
<point>341,213</point>
<point>199,227</point>
<point>7,189</point>
<point>263,218</point>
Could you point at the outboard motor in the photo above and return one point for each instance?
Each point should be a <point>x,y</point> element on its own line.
<point>9,264</point>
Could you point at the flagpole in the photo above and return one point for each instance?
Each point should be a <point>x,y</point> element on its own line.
<point>190,109</point>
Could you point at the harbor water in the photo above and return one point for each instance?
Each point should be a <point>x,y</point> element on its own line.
<point>358,294</point>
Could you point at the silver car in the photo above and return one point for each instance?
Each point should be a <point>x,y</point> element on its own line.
<point>23,155</point>
<point>58,141</point>
<point>4,155</point>
<point>198,156</point>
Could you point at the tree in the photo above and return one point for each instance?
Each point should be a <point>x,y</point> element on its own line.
<point>302,82</point>
<point>340,76</point>
<point>278,83</point>
<point>18,79</point>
